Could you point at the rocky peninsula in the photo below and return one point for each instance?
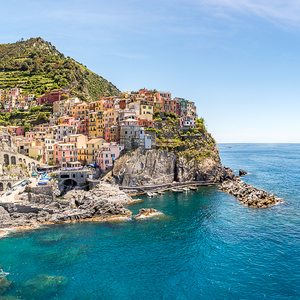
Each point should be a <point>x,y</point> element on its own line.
<point>248,194</point>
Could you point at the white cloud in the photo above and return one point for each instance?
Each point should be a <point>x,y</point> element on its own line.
<point>287,11</point>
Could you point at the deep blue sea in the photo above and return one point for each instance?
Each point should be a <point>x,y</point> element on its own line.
<point>207,246</point>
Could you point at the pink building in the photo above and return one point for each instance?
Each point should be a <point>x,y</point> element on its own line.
<point>16,130</point>
<point>65,153</point>
<point>187,121</point>
<point>108,153</point>
<point>71,121</point>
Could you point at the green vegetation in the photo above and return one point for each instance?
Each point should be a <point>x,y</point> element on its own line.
<point>36,66</point>
<point>193,143</point>
<point>36,115</point>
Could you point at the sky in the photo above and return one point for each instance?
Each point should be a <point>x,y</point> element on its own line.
<point>238,60</point>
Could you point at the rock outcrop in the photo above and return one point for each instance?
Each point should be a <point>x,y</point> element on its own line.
<point>159,167</point>
<point>4,285</point>
<point>181,154</point>
<point>103,202</point>
<point>248,194</point>
<point>242,172</point>
<point>147,213</point>
<point>149,168</point>
<point>5,220</point>
<point>202,170</point>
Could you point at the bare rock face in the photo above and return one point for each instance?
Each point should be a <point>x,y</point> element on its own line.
<point>160,167</point>
<point>248,194</point>
<point>5,220</point>
<point>204,170</point>
<point>153,167</point>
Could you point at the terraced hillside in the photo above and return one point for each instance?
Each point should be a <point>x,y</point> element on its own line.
<point>36,66</point>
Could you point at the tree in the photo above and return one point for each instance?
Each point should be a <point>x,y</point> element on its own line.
<point>54,87</point>
<point>35,108</point>
<point>36,66</point>
<point>42,117</point>
<point>64,97</point>
<point>24,66</point>
<point>26,127</point>
<point>14,113</point>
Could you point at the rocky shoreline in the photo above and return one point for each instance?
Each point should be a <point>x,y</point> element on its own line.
<point>104,203</point>
<point>249,195</point>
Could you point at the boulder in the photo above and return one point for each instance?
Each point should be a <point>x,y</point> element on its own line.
<point>4,285</point>
<point>147,213</point>
<point>242,172</point>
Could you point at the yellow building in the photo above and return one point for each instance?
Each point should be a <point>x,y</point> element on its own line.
<point>24,146</point>
<point>49,144</point>
<point>158,106</point>
<point>99,106</point>
<point>80,110</point>
<point>88,155</point>
<point>99,124</point>
<point>36,152</point>
<point>92,125</point>
<point>146,107</point>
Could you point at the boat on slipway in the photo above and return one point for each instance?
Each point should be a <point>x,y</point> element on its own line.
<point>193,188</point>
<point>177,190</point>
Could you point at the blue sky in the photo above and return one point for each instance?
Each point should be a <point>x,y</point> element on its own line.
<point>237,59</point>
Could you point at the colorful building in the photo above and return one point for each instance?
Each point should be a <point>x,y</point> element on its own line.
<point>187,121</point>
<point>65,153</point>
<point>52,96</point>
<point>87,155</point>
<point>80,110</point>
<point>107,154</point>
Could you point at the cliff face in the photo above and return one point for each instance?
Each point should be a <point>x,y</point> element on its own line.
<point>152,167</point>
<point>160,167</point>
<point>179,156</point>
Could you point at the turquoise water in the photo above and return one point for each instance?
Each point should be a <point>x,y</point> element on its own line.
<point>208,246</point>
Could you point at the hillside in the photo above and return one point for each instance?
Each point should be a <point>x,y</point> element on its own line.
<point>36,66</point>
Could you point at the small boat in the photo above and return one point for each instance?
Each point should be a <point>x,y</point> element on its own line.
<point>9,192</point>
<point>186,189</point>
<point>177,190</point>
<point>193,188</point>
<point>150,195</point>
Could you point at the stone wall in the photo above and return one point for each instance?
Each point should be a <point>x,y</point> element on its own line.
<point>40,194</point>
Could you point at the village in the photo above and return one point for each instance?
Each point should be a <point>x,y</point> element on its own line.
<point>78,133</point>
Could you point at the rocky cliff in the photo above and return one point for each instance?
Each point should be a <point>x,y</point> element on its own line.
<point>180,155</point>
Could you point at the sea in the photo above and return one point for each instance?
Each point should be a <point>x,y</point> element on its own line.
<point>207,245</point>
